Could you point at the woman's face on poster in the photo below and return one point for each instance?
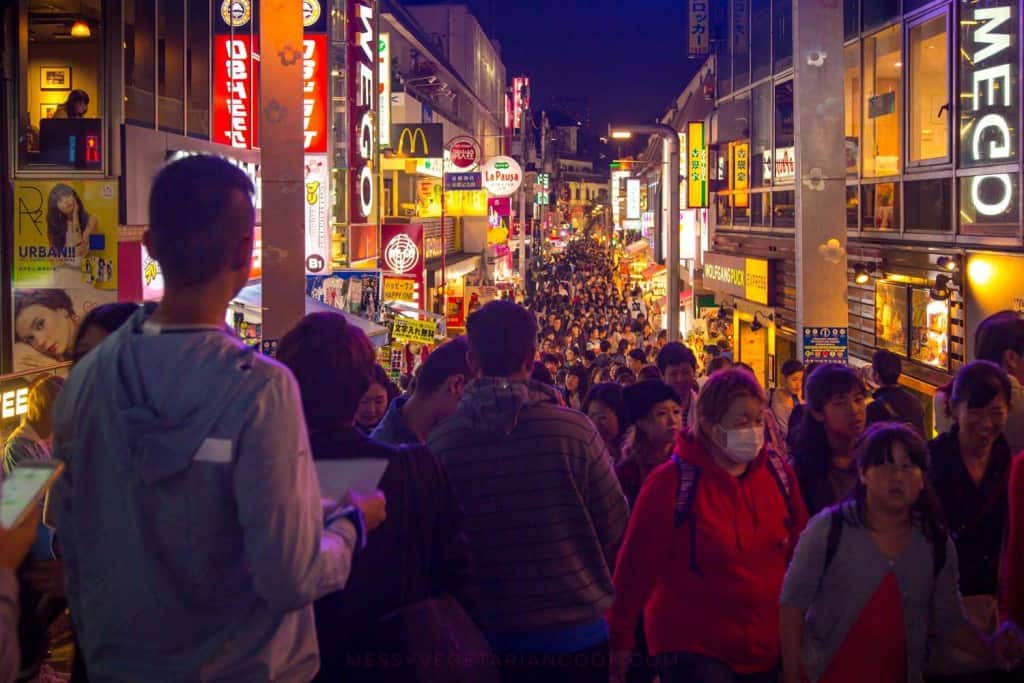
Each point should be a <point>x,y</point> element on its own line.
<point>66,204</point>
<point>48,331</point>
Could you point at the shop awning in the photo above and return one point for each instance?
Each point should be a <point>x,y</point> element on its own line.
<point>250,300</point>
<point>656,269</point>
<point>635,248</point>
<point>456,265</point>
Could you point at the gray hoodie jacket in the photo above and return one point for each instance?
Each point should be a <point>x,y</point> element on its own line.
<point>189,513</point>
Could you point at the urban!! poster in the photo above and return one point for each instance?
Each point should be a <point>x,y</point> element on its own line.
<point>65,264</point>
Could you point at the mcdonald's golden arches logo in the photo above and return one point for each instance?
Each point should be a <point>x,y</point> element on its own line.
<point>418,140</point>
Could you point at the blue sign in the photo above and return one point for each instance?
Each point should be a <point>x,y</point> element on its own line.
<point>826,345</point>
<point>463,181</point>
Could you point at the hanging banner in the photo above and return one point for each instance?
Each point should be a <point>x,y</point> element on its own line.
<point>236,77</point>
<point>318,218</point>
<point>697,169</point>
<point>65,264</point>
<point>698,28</point>
<point>362,65</point>
<point>740,174</point>
<point>314,89</point>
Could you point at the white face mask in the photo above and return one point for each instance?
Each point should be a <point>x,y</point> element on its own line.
<point>743,445</point>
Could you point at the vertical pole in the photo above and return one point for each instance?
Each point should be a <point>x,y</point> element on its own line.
<point>281,142</point>
<point>522,193</point>
<point>444,244</point>
<point>822,282</point>
<point>671,181</point>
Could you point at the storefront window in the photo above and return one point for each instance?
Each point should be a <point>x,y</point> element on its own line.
<point>784,209</point>
<point>760,208</point>
<point>852,206</point>
<point>722,209</point>
<point>140,61</point>
<point>879,12</point>
<point>760,134</point>
<point>929,342</point>
<point>851,19</point>
<point>928,204</point>
<point>741,43</point>
<point>171,64</point>
<point>760,39</point>
<point>989,204</point>
<point>851,98</point>
<point>197,60</point>
<point>61,104</point>
<point>723,54</point>
<point>880,210</point>
<point>881,138</point>
<point>891,317</point>
<point>929,91</point>
<point>782,43</point>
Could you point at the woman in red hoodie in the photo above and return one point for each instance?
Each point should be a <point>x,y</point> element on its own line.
<point>707,547</point>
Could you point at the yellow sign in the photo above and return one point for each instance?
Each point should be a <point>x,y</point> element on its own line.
<point>696,166</point>
<point>417,331</point>
<point>756,284</point>
<point>466,202</point>
<point>740,174</point>
<point>399,289</point>
<point>428,198</point>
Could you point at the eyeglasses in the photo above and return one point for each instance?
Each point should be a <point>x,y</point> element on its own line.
<point>892,468</point>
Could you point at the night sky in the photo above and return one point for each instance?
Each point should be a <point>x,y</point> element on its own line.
<point>625,59</point>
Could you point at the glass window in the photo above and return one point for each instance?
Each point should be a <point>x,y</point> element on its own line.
<point>990,204</point>
<point>880,210</point>
<point>928,204</point>
<point>882,68</point>
<point>170,32</point>
<point>723,55</point>
<point>741,43</point>
<point>61,100</point>
<point>989,88</point>
<point>761,135</point>
<point>852,206</point>
<point>784,170</point>
<point>760,208</point>
<point>879,12</point>
<point>197,60</point>
<point>722,209</point>
<point>851,19</point>
<point>782,44</point>
<point>911,5</point>
<point>851,99</point>
<point>929,339</point>
<point>140,61</point>
<point>784,209</point>
<point>760,39</point>
<point>929,91</point>
<point>891,317</point>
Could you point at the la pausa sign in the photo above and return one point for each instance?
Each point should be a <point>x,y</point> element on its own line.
<point>502,176</point>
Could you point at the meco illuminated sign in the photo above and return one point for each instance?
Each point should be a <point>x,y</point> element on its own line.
<point>988,67</point>
<point>363,97</point>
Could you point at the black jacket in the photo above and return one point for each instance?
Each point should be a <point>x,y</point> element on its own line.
<point>895,404</point>
<point>398,566</point>
<point>978,516</point>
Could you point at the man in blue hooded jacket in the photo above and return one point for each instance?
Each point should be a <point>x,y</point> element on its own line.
<point>189,512</point>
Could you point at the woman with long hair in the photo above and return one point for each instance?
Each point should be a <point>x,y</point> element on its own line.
<point>606,408</point>
<point>376,400</point>
<point>970,472</point>
<point>68,224</point>
<point>833,419</point>
<point>873,579</point>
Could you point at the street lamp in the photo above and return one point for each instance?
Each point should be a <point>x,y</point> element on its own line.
<point>670,182</point>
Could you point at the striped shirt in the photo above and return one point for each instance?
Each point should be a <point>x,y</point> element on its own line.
<point>543,506</point>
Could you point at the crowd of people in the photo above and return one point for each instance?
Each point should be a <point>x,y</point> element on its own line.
<point>566,495</point>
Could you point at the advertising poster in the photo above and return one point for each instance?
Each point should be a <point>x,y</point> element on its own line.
<point>318,220</point>
<point>152,278</point>
<point>65,264</point>
<point>351,291</point>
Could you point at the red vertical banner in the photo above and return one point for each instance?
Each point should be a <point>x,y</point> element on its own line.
<point>362,103</point>
<point>403,259</point>
<point>236,74</point>
<point>314,93</point>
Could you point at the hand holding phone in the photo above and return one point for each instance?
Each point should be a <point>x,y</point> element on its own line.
<point>24,488</point>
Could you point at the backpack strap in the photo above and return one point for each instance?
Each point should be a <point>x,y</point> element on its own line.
<point>835,534</point>
<point>688,476</point>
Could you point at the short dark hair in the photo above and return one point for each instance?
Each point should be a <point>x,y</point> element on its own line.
<point>611,395</point>
<point>887,366</point>
<point>550,358</point>
<point>675,353</point>
<point>978,382</point>
<point>333,363</point>
<point>649,372</point>
<point>107,317</point>
<point>446,360</point>
<point>791,367</point>
<point>503,337</point>
<point>541,374</point>
<point>719,363</point>
<point>637,354</point>
<point>606,346</point>
<point>198,208</point>
<point>997,334</point>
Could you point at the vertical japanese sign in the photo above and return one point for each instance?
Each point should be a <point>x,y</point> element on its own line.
<point>384,59</point>
<point>314,127</point>
<point>318,223</point>
<point>362,104</point>
<point>697,166</point>
<point>314,90</point>
<point>740,174</point>
<point>632,198</point>
<point>236,73</point>
<point>698,28</point>
<point>65,264</point>
<point>520,100</point>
